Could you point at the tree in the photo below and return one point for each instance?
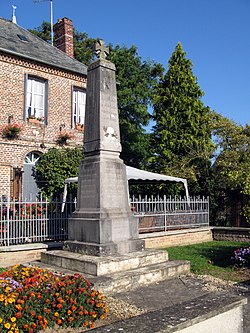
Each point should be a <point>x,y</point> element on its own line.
<point>83,47</point>
<point>231,169</point>
<point>54,167</point>
<point>136,80</point>
<point>182,135</point>
<point>43,31</point>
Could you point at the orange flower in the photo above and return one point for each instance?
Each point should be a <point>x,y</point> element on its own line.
<point>70,319</point>
<point>60,300</point>
<point>73,308</point>
<point>25,326</point>
<point>39,317</point>
<point>18,307</point>
<point>56,314</point>
<point>85,323</point>
<point>69,312</point>
<point>18,314</point>
<point>59,321</point>
<point>33,325</point>
<point>20,301</point>
<point>59,306</point>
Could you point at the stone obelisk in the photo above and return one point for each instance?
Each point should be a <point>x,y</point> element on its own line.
<point>103,223</point>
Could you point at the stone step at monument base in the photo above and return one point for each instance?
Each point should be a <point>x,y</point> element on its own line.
<point>97,266</point>
<point>116,273</point>
<point>134,278</point>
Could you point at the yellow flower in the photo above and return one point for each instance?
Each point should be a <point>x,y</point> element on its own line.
<point>7,325</point>
<point>1,320</point>
<point>11,300</point>
<point>13,319</point>
<point>10,331</point>
<point>7,289</point>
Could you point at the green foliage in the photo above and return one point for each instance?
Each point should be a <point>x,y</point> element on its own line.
<point>233,161</point>
<point>43,31</point>
<point>54,167</point>
<point>231,170</point>
<point>210,258</point>
<point>136,82</point>
<point>181,139</point>
<point>83,47</point>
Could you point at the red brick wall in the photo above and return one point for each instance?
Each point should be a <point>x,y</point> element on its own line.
<point>64,40</point>
<point>60,83</point>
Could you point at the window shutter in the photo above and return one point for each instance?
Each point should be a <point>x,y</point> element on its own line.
<point>46,102</point>
<point>25,95</point>
<point>72,108</point>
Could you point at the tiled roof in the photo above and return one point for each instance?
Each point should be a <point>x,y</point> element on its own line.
<point>20,42</point>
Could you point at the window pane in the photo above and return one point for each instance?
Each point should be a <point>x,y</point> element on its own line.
<point>35,98</point>
<point>78,107</point>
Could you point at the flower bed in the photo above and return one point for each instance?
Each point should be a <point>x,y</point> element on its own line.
<point>242,257</point>
<point>11,131</point>
<point>63,137</point>
<point>32,299</point>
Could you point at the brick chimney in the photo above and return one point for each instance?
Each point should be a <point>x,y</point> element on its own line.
<point>63,33</point>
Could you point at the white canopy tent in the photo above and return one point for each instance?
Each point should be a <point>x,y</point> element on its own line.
<point>134,174</point>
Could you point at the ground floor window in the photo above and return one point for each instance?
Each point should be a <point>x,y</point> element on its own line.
<point>30,188</point>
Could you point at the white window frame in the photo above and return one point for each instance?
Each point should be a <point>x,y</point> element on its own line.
<point>35,98</point>
<point>78,106</point>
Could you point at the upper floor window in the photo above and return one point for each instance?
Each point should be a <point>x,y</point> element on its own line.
<point>35,98</point>
<point>78,109</point>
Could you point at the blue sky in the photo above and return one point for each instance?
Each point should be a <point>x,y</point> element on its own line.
<point>215,34</point>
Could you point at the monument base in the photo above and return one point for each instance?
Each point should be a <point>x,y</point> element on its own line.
<point>94,249</point>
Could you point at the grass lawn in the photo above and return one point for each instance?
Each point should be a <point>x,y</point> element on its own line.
<point>212,258</point>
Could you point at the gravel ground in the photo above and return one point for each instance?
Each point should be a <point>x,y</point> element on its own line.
<point>121,310</point>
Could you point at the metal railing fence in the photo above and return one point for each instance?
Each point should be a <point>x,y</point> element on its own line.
<point>23,221</point>
<point>163,214</point>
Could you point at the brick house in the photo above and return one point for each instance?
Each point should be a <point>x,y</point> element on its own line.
<point>43,91</point>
